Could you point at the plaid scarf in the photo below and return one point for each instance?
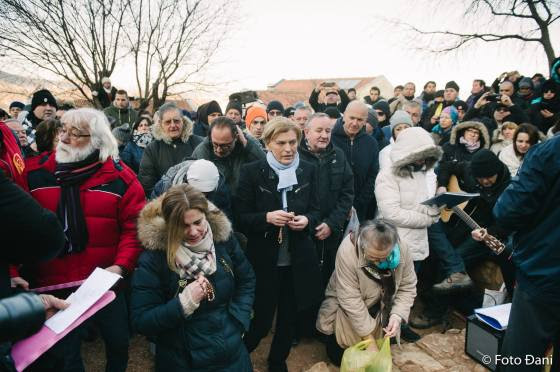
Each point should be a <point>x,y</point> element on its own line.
<point>70,176</point>
<point>193,260</point>
<point>142,139</point>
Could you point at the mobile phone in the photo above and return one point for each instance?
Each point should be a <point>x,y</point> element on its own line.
<point>328,85</point>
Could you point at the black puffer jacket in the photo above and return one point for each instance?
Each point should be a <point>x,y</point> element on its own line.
<point>163,153</point>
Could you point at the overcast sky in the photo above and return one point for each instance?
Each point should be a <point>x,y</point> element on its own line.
<point>298,39</point>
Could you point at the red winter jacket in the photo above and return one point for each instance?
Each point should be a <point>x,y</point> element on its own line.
<point>111,200</point>
<point>11,160</point>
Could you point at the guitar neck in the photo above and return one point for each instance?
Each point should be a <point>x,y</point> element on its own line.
<point>466,218</point>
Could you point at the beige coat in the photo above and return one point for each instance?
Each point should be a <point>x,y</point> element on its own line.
<point>350,293</point>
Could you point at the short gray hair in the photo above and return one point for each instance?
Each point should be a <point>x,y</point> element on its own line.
<point>412,104</point>
<point>99,128</point>
<point>376,231</point>
<point>316,115</point>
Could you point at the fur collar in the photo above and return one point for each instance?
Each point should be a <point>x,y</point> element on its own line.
<point>458,130</point>
<point>401,168</point>
<point>151,225</point>
<point>159,134</point>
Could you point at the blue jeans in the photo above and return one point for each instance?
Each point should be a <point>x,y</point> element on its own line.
<point>448,257</point>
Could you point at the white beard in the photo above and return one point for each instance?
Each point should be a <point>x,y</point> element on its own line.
<point>68,154</point>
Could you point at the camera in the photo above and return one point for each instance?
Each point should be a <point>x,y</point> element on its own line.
<point>244,97</point>
<point>494,97</point>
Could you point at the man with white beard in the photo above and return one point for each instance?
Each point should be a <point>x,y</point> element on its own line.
<point>97,199</point>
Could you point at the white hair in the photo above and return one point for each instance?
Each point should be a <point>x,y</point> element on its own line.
<point>99,128</point>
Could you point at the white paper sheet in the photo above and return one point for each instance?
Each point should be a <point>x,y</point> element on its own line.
<point>99,282</point>
<point>495,316</point>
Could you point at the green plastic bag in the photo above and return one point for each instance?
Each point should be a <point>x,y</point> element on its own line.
<point>357,359</point>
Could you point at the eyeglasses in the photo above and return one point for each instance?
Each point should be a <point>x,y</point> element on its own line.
<point>223,146</point>
<point>380,113</point>
<point>502,109</point>
<point>73,134</point>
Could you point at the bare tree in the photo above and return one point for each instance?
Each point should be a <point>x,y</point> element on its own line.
<point>527,21</point>
<point>77,40</point>
<point>172,41</point>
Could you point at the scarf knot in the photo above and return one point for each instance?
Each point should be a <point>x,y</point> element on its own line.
<point>470,146</point>
<point>286,175</point>
<point>197,259</point>
<point>70,176</point>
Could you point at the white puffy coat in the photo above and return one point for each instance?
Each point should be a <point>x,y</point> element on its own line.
<point>399,190</point>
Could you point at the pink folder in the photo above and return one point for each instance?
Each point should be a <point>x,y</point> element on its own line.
<point>26,351</point>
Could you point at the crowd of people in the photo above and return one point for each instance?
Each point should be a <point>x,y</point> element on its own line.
<point>224,223</point>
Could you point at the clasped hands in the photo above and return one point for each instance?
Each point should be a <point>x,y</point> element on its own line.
<point>281,218</point>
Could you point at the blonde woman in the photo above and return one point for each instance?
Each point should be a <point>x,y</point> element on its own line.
<point>193,290</point>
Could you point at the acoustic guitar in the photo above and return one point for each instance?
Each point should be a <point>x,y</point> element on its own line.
<point>491,242</point>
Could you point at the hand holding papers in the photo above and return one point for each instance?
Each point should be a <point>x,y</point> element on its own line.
<point>98,283</point>
<point>92,296</point>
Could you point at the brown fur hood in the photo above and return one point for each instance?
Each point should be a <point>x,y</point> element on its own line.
<point>152,232</point>
<point>458,130</point>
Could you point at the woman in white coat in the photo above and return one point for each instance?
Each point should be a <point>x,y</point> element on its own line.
<point>401,188</point>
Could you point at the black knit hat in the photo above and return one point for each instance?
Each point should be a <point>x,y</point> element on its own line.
<point>234,105</point>
<point>438,93</point>
<point>485,163</point>
<point>289,111</point>
<point>275,105</point>
<point>17,104</point>
<point>213,107</point>
<point>42,96</point>
<point>452,84</point>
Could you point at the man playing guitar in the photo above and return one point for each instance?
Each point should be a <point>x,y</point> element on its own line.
<point>487,175</point>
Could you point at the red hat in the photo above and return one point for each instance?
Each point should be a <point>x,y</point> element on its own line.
<point>252,113</point>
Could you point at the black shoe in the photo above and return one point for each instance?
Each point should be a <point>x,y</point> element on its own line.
<point>408,334</point>
<point>424,321</point>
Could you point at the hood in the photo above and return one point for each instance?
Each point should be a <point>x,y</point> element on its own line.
<point>151,225</point>
<point>413,144</point>
<point>159,134</point>
<point>383,106</point>
<point>458,130</point>
<point>207,108</point>
<point>554,75</point>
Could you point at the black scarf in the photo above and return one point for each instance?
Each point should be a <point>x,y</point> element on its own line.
<point>70,176</point>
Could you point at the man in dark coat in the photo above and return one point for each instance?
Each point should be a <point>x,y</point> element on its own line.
<point>121,111</point>
<point>362,153</point>
<point>228,149</point>
<point>336,191</point>
<point>332,95</point>
<point>173,142</point>
<point>528,208</point>
<point>374,96</point>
